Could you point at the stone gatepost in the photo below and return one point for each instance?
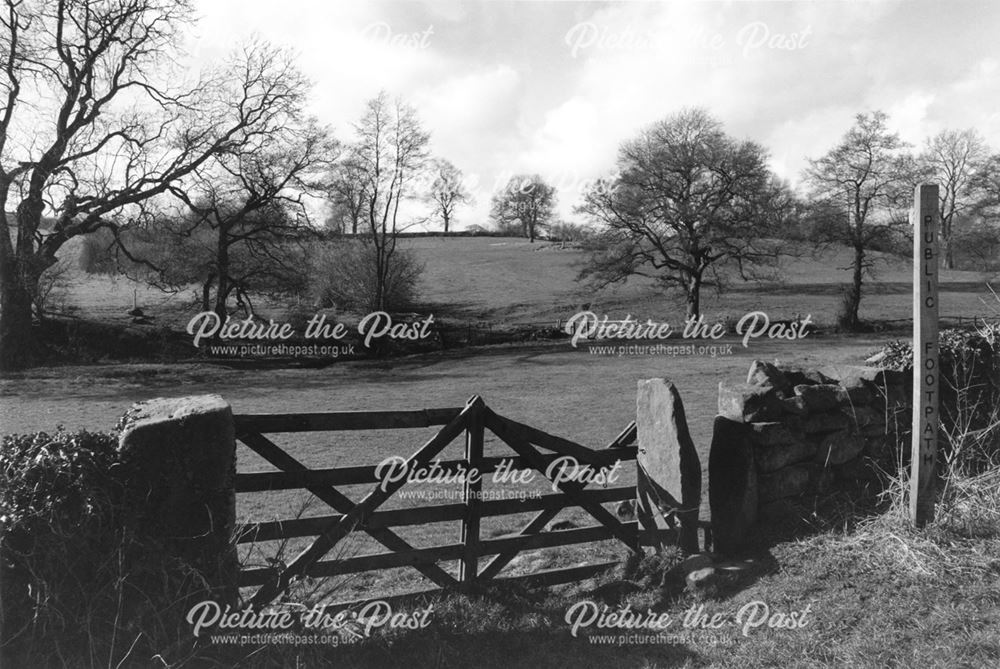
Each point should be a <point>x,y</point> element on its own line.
<point>732,484</point>
<point>669,471</point>
<point>178,459</point>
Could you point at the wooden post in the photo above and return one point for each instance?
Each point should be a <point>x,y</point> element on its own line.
<point>926,363</point>
<point>469,567</point>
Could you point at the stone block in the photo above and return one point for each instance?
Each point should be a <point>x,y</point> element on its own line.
<point>178,464</point>
<point>767,375</point>
<point>749,404</point>
<point>693,563</point>
<point>786,482</point>
<point>820,397</point>
<point>669,485</point>
<point>776,433</point>
<point>865,416</point>
<point>810,377</point>
<point>732,484</point>
<point>772,458</point>
<point>839,447</point>
<point>830,421</point>
<point>794,406</point>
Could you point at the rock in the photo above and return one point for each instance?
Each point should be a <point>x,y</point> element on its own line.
<point>820,397</point>
<point>859,391</point>
<point>626,509</point>
<point>558,525</point>
<point>735,567</point>
<point>775,433</point>
<point>766,375</point>
<point>668,489</point>
<point>785,482</point>
<point>794,406</point>
<point>810,377</point>
<point>701,579</point>
<point>839,447</point>
<point>693,563</point>
<point>819,378</point>
<point>863,416</point>
<point>819,423</point>
<point>749,404</point>
<point>732,484</point>
<point>772,458</point>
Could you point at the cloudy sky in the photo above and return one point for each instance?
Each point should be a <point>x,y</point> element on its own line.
<point>554,87</point>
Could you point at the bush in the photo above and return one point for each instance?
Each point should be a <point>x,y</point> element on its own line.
<point>345,277</point>
<point>56,516</point>
<point>79,589</point>
<point>969,391</point>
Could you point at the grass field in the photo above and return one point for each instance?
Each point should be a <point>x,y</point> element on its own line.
<point>510,281</point>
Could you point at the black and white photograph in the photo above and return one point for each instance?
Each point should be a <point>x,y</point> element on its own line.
<point>499,333</point>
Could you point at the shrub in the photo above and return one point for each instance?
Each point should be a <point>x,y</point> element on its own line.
<point>346,277</point>
<point>56,516</point>
<point>79,589</point>
<point>970,393</point>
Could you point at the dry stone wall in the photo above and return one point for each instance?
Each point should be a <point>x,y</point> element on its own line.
<point>791,432</point>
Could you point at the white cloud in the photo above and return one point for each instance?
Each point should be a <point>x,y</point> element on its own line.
<point>554,87</point>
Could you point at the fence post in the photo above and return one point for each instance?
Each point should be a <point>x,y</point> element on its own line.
<point>474,436</point>
<point>926,359</point>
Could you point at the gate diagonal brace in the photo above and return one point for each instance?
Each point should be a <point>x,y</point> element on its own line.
<point>507,433</point>
<point>342,504</point>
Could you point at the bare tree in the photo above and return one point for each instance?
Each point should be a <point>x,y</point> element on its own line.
<point>345,190</point>
<point>527,202</point>
<point>862,189</point>
<point>92,128</point>
<point>247,206</point>
<point>391,150</point>
<point>688,202</point>
<point>951,159</point>
<point>447,191</point>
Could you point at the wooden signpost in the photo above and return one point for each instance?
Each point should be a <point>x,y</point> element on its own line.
<point>926,363</point>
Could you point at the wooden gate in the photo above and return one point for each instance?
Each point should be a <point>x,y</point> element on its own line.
<point>533,449</point>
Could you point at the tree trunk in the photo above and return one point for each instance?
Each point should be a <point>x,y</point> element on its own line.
<point>445,217</point>
<point>694,296</point>
<point>222,266</point>
<point>948,257</point>
<point>206,293</point>
<point>17,346</point>
<point>854,296</point>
